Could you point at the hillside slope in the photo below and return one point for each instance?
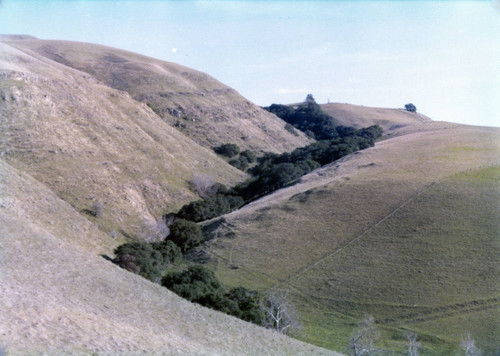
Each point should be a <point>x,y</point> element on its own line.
<point>93,144</point>
<point>392,121</point>
<point>59,297</point>
<point>204,109</point>
<point>406,230</point>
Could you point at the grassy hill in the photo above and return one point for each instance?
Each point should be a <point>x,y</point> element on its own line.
<point>93,144</point>
<point>60,297</point>
<point>68,142</point>
<point>391,120</point>
<point>406,231</point>
<point>204,109</point>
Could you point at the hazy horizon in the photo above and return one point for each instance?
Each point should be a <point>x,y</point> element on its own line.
<point>440,55</point>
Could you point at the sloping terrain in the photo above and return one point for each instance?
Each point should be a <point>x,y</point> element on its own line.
<point>406,231</point>
<point>393,121</point>
<point>204,109</point>
<point>59,297</point>
<point>92,144</point>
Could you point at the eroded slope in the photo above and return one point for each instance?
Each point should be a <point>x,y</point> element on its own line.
<point>92,144</point>
<point>204,109</point>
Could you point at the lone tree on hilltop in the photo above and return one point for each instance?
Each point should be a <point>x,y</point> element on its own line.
<point>310,98</point>
<point>410,107</point>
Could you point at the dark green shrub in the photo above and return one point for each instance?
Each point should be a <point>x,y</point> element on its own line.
<point>198,284</point>
<point>227,150</point>
<point>195,284</point>
<point>140,258</point>
<point>248,304</point>
<point>241,163</point>
<point>291,129</point>
<point>171,253</point>
<point>185,234</point>
<point>249,155</point>
<point>212,207</point>
<point>410,107</point>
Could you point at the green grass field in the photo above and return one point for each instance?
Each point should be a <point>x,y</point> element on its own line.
<point>406,232</point>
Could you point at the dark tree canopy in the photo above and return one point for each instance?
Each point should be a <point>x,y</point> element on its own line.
<point>185,234</point>
<point>141,258</point>
<point>410,107</point>
<point>199,285</point>
<point>307,117</point>
<point>228,150</point>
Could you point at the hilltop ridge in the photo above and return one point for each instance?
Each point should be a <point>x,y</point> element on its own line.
<point>204,109</point>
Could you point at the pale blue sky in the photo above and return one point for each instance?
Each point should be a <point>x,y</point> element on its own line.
<point>444,56</point>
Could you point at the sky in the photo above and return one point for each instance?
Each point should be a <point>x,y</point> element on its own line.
<point>442,56</point>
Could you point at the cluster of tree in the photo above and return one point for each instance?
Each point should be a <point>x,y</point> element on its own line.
<point>274,171</point>
<point>210,207</point>
<point>307,117</point>
<point>151,260</point>
<point>199,285</point>
<point>244,160</point>
<point>240,160</point>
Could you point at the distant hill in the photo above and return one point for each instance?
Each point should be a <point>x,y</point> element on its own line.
<point>70,143</point>
<point>391,120</point>
<point>406,231</point>
<point>204,109</point>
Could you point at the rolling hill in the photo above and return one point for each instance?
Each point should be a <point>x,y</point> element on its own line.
<point>406,231</point>
<point>60,297</point>
<point>204,109</point>
<point>68,141</point>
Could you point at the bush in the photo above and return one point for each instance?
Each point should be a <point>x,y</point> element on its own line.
<point>212,207</point>
<point>195,284</point>
<point>170,252</point>
<point>249,155</point>
<point>291,129</point>
<point>141,258</point>
<point>410,107</point>
<point>241,163</point>
<point>185,234</point>
<point>199,285</point>
<point>227,150</point>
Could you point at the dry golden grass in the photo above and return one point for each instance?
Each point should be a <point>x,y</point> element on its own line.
<point>93,144</point>
<point>391,120</point>
<point>67,142</point>
<point>59,297</point>
<point>204,109</point>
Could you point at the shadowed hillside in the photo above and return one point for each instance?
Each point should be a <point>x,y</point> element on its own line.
<point>406,231</point>
<point>204,109</point>
<point>93,144</point>
<point>59,297</point>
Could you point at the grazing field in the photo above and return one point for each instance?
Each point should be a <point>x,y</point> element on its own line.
<point>406,231</point>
